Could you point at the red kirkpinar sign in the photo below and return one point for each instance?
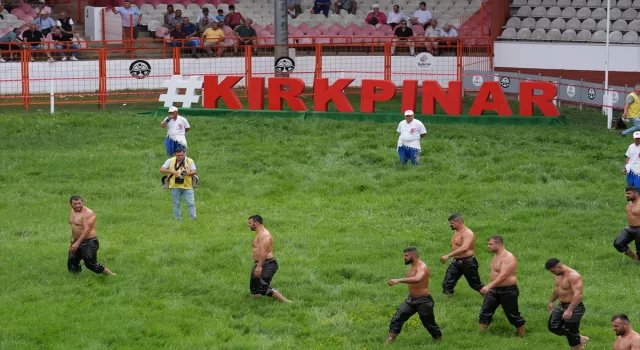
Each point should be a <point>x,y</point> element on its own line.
<point>280,90</point>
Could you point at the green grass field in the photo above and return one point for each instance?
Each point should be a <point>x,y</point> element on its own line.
<point>341,210</point>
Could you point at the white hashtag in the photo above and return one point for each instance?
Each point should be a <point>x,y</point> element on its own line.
<point>176,82</point>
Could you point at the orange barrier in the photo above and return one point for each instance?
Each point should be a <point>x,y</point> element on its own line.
<point>118,74</point>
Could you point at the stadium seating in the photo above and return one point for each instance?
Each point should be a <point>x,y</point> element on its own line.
<point>560,20</point>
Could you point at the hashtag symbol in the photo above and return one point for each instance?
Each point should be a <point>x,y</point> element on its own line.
<point>177,82</point>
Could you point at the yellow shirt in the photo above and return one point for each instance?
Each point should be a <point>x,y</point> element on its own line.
<point>634,108</point>
<point>212,34</point>
<point>188,180</point>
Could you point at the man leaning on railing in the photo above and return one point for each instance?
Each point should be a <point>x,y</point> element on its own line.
<point>213,36</point>
<point>63,41</point>
<point>246,36</point>
<point>7,43</point>
<point>35,41</point>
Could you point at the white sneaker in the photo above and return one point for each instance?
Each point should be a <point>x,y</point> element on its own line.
<point>50,59</point>
<point>2,60</point>
<point>32,59</point>
<point>73,58</point>
<point>64,58</point>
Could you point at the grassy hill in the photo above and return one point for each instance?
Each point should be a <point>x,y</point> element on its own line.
<point>341,210</point>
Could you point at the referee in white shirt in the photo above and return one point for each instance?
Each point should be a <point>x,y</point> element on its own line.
<point>177,127</point>
<point>632,163</point>
<point>411,131</point>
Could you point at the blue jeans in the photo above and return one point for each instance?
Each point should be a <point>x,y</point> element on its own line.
<point>635,127</point>
<point>322,8</point>
<point>72,46</point>
<point>176,195</point>
<point>192,43</point>
<point>408,153</point>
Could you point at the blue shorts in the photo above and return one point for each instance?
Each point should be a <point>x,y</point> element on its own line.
<point>172,146</point>
<point>408,153</point>
<point>633,179</point>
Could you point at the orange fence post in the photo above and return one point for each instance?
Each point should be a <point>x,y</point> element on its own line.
<point>387,61</point>
<point>25,78</point>
<point>176,61</point>
<point>248,54</point>
<point>459,60</point>
<point>102,74</point>
<point>104,30</point>
<point>318,68</point>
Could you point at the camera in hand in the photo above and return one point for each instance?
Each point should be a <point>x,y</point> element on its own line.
<point>180,179</point>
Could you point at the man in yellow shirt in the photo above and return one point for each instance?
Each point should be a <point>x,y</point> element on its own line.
<point>213,36</point>
<point>632,110</point>
<point>181,171</point>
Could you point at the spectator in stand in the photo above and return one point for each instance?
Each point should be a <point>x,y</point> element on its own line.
<point>10,41</point>
<point>321,6</point>
<point>177,18</point>
<point>42,7</point>
<point>233,18</point>
<point>191,32</point>
<point>246,36</point>
<point>213,36</point>
<point>293,6</point>
<point>129,26</point>
<point>168,16</point>
<point>422,16</point>
<point>205,14</point>
<point>63,41</point>
<point>351,6</point>
<point>35,41</point>
<point>403,37</point>
<point>204,25</point>
<point>376,17</point>
<point>432,33</point>
<point>632,111</point>
<point>395,17</point>
<point>220,17</point>
<point>177,35</point>
<point>45,23</point>
<point>449,32</point>
<point>65,23</point>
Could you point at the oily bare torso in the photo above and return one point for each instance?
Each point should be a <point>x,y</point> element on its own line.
<point>628,342</point>
<point>563,288</point>
<point>457,239</point>
<point>259,243</point>
<point>633,213</point>
<point>496,267</point>
<point>77,223</point>
<point>422,287</point>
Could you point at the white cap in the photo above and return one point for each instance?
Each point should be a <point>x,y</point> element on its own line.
<point>173,109</point>
<point>408,112</point>
<point>375,6</point>
<point>636,135</point>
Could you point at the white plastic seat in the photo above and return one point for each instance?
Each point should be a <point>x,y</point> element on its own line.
<point>573,23</point>
<point>519,2</point>
<point>588,24</point>
<point>513,22</point>
<point>620,25</point>
<point>602,25</point>
<point>564,3</point>
<point>508,33</point>
<point>583,35</point>
<point>539,34</point>
<point>524,11</point>
<point>630,37</point>
<point>599,13</point>
<point>523,34</point>
<point>615,37</point>
<point>543,23</point>
<point>146,8</point>
<point>636,4</point>
<point>153,25</point>
<point>579,3</point>
<point>583,13</point>
<point>599,36</point>
<point>554,12</point>
<point>634,25</point>
<point>629,14</point>
<point>615,13</point>
<point>534,2</point>
<point>568,35</point>
<point>548,3</point>
<point>594,3</point>
<point>539,11</point>
<point>558,23</point>
<point>528,23</point>
<point>553,34</point>
<point>195,8</point>
<point>179,7</point>
<point>624,4</point>
<point>568,12</point>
